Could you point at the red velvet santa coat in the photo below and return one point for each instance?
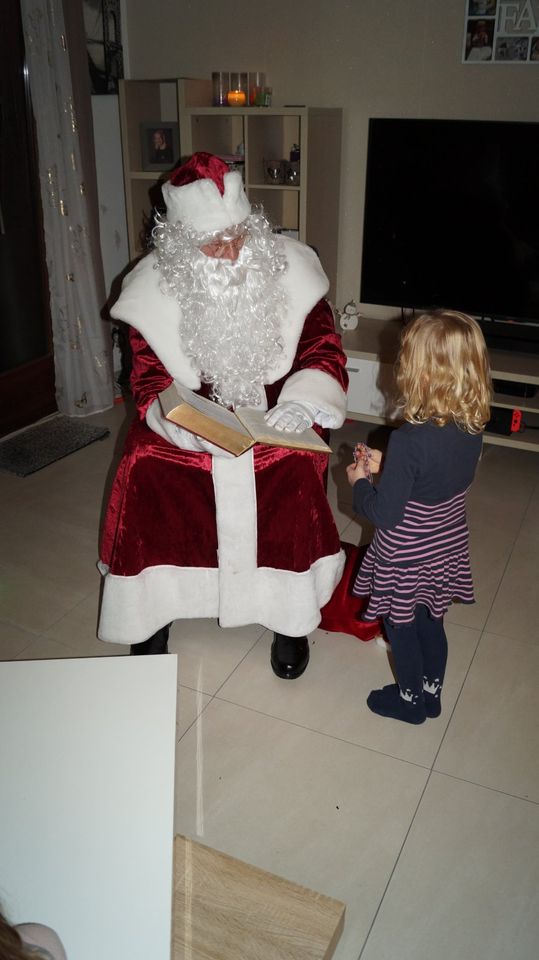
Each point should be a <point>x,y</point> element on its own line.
<point>247,540</point>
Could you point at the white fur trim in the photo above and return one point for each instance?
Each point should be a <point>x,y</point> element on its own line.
<point>157,316</point>
<point>321,390</point>
<point>236,518</point>
<point>284,601</point>
<point>201,206</point>
<point>280,600</point>
<point>133,608</point>
<point>238,593</point>
<point>305,283</point>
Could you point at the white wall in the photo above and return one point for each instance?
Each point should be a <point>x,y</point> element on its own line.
<point>372,57</point>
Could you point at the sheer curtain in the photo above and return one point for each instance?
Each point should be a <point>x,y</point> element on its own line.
<point>82,343</point>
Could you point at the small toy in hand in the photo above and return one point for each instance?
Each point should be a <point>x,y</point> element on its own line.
<point>362,454</point>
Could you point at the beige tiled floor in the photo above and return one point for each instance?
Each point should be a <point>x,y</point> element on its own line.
<point>430,834</point>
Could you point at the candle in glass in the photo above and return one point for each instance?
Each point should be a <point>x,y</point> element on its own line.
<point>236,98</point>
<point>237,93</point>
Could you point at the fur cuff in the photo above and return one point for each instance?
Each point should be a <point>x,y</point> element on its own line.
<point>320,389</point>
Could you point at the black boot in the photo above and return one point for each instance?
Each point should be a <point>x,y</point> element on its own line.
<point>289,656</point>
<point>158,643</point>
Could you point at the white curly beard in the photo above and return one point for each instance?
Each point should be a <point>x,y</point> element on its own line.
<point>232,312</point>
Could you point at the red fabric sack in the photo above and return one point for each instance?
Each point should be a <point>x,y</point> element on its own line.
<point>343,612</point>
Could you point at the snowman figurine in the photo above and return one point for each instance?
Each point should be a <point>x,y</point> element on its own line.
<point>349,316</point>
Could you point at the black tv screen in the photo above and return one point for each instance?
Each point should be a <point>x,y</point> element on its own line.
<point>452,217</point>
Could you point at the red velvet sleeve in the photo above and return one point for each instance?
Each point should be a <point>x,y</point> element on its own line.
<point>148,375</point>
<point>320,346</point>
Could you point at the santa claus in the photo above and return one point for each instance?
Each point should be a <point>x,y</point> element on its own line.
<point>225,307</point>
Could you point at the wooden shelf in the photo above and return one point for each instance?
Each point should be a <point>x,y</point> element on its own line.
<point>209,111</point>
<point>528,440</point>
<point>142,175</point>
<point>272,186</point>
<point>509,365</point>
<point>526,404</point>
<point>267,133</point>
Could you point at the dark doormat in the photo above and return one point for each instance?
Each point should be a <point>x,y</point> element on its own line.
<point>36,447</point>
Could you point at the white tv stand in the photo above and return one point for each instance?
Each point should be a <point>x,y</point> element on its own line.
<point>371,350</point>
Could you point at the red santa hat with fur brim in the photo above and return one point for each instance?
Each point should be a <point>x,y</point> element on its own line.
<point>205,196</point>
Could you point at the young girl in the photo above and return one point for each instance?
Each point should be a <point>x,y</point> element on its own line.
<point>418,561</point>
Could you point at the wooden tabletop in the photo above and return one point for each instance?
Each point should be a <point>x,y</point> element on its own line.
<point>224,909</point>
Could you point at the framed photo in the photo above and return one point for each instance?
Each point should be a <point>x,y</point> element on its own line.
<point>160,144</point>
<point>501,31</point>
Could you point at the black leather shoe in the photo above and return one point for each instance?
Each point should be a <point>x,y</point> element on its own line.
<point>289,656</point>
<point>158,643</point>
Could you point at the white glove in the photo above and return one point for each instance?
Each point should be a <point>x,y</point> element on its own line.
<point>292,416</point>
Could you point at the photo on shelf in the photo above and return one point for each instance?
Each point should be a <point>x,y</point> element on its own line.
<point>160,144</point>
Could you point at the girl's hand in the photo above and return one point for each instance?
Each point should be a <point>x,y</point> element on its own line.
<point>375,460</point>
<point>355,471</point>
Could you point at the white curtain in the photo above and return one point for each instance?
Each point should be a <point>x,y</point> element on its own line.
<point>82,343</point>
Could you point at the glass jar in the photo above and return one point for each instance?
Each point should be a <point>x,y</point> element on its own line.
<point>257,80</point>
<point>220,87</point>
<point>238,90</point>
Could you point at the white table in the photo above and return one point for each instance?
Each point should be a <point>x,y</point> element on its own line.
<point>86,801</point>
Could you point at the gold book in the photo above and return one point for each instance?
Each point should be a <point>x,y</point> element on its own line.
<point>235,432</point>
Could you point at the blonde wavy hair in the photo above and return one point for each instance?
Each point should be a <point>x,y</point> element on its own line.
<point>443,371</point>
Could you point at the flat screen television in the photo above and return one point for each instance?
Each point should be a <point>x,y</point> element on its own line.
<point>452,220</point>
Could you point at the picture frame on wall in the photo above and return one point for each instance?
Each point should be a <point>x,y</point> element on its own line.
<point>501,31</point>
<point>160,144</point>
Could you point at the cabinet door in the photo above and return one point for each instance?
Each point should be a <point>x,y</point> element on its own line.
<point>370,388</point>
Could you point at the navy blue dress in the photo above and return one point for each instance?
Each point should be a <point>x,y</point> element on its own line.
<point>420,552</point>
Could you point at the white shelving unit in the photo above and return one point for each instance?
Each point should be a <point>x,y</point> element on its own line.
<point>310,208</point>
<point>141,101</point>
<point>371,350</point>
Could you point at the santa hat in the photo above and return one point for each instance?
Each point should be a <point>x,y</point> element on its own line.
<point>205,196</point>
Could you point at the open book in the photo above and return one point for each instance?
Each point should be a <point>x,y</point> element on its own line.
<point>235,432</point>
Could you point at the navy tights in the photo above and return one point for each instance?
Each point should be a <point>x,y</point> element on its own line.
<point>419,652</point>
